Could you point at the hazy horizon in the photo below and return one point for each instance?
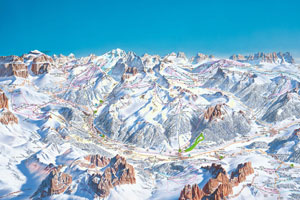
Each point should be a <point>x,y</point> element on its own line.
<point>220,28</point>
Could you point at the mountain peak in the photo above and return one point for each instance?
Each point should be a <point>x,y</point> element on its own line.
<point>116,52</point>
<point>276,58</point>
<point>181,55</point>
<point>200,57</point>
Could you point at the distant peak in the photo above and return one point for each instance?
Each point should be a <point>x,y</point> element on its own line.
<point>278,58</point>
<point>200,57</point>
<point>116,52</point>
<point>71,55</point>
<point>181,55</point>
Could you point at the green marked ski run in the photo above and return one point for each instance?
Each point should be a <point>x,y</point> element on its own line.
<point>199,139</point>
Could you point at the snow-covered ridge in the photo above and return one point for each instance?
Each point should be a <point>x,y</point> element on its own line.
<point>151,110</point>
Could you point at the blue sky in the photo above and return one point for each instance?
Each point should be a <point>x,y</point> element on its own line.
<point>157,27</point>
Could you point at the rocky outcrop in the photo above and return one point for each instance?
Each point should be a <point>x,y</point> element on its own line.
<point>215,169</point>
<point>97,160</point>
<point>3,100</point>
<point>266,57</point>
<point>213,112</point>
<point>219,186</point>
<point>13,66</point>
<point>240,174</point>
<point>129,71</point>
<point>223,191</point>
<point>57,182</point>
<point>41,64</point>
<point>191,193</point>
<point>8,117</point>
<point>118,172</point>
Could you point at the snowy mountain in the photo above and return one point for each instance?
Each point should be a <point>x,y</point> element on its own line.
<point>260,57</point>
<point>123,126</point>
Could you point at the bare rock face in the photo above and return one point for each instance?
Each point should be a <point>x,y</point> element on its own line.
<point>219,186</point>
<point>97,160</point>
<point>213,112</point>
<point>3,100</point>
<point>239,175</point>
<point>13,66</point>
<point>191,193</point>
<point>215,169</point>
<point>8,117</point>
<point>129,71</point>
<point>41,64</point>
<point>118,172</point>
<point>223,191</point>
<point>211,186</point>
<point>56,182</point>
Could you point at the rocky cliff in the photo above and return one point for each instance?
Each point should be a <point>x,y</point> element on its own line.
<point>240,174</point>
<point>57,182</point>
<point>13,66</point>
<point>3,100</point>
<point>118,172</point>
<point>41,64</point>
<point>219,186</point>
<point>213,112</point>
<point>6,117</point>
<point>191,193</point>
<point>97,160</point>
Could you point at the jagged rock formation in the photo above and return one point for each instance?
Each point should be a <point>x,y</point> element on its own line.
<point>129,71</point>
<point>266,57</point>
<point>215,169</point>
<point>219,186</point>
<point>191,193</point>
<point>97,160</point>
<point>41,64</point>
<point>129,65</point>
<point>3,100</point>
<point>8,117</point>
<point>239,175</point>
<point>56,182</point>
<point>213,112</point>
<point>118,172</point>
<point>13,66</point>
